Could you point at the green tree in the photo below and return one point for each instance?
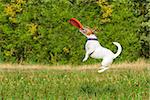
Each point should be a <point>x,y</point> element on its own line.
<point>145,33</point>
<point>142,9</point>
<point>37,31</point>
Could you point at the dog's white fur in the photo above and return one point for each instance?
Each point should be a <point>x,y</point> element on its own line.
<point>95,50</point>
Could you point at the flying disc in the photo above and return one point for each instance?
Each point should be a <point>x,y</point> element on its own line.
<point>76,23</point>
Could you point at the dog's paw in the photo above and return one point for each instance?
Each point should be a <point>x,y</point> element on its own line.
<point>84,60</point>
<point>103,69</point>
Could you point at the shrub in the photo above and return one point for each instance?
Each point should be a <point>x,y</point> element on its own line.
<point>37,31</point>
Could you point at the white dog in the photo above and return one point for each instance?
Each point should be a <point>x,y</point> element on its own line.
<point>95,50</point>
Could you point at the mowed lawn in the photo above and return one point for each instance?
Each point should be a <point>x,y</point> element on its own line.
<point>126,81</point>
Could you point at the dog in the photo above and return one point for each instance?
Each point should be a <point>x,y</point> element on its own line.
<point>95,50</point>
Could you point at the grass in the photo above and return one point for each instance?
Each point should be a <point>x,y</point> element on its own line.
<point>122,82</point>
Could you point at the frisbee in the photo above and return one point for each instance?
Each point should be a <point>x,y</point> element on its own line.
<point>76,23</point>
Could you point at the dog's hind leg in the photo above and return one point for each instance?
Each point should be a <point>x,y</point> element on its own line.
<point>105,63</point>
<point>102,69</point>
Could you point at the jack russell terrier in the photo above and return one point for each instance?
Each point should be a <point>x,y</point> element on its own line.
<point>95,50</point>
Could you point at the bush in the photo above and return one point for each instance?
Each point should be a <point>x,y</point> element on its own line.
<point>37,31</point>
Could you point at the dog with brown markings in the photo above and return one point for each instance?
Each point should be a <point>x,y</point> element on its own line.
<point>95,50</point>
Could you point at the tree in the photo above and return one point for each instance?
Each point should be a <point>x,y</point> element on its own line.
<point>142,9</point>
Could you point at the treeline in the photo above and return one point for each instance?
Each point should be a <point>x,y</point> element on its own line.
<point>37,31</point>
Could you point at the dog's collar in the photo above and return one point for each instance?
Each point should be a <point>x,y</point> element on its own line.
<point>92,39</point>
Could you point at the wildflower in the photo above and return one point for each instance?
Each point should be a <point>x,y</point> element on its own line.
<point>32,28</point>
<point>106,10</point>
<point>20,1</point>
<point>66,50</point>
<point>9,10</point>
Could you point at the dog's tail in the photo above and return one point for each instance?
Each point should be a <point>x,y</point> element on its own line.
<point>119,49</point>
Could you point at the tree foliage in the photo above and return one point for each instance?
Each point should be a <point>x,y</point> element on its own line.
<point>37,31</point>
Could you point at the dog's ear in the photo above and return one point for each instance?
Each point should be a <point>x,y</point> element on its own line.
<point>91,31</point>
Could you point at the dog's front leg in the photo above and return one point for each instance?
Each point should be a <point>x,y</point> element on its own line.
<point>86,56</point>
<point>88,52</point>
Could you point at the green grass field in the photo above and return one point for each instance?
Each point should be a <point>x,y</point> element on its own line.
<point>121,82</point>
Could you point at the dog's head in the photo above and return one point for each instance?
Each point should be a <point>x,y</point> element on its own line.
<point>86,31</point>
